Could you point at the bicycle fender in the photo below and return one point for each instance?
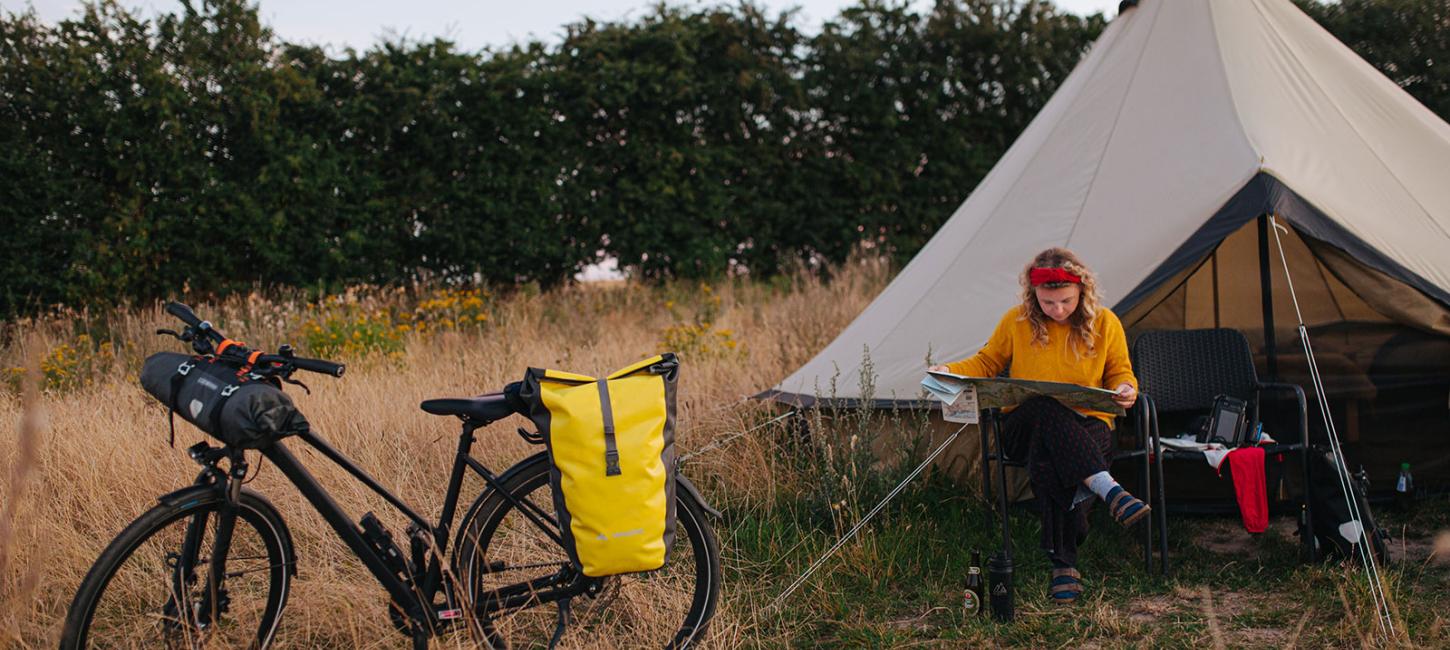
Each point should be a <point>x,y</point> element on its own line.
<point>188,494</point>
<point>683,483</point>
<point>503,479</point>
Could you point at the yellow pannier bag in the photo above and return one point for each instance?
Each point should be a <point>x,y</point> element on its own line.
<point>611,445</point>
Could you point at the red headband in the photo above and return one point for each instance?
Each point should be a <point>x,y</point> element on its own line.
<point>1040,276</point>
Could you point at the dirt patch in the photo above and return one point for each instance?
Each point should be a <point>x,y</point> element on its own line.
<point>1151,609</point>
<point>1224,538</point>
<point>918,623</point>
<point>1257,637</point>
<point>1228,537</point>
<point>1434,551</point>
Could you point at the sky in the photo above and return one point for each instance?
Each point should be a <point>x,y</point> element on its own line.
<point>472,25</point>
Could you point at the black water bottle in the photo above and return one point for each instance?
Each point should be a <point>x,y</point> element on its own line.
<point>999,570</point>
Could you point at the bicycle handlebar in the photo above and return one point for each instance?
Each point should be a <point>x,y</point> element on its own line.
<point>204,328</point>
<point>311,365</point>
<point>184,313</point>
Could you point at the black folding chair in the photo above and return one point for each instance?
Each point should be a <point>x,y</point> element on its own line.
<point>995,453</point>
<point>1182,372</point>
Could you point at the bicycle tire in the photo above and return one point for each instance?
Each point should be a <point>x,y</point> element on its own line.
<point>125,583</point>
<point>694,561</point>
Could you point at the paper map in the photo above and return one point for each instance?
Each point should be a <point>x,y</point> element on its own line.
<point>1000,392</point>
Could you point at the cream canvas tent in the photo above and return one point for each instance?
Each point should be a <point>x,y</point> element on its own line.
<point>1156,161</point>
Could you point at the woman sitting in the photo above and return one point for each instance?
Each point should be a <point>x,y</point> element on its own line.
<point>1061,332</point>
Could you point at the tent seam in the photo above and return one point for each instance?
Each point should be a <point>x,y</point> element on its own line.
<point>1035,154</point>
<point>1320,268</point>
<point>1117,117</point>
<point>1331,100</point>
<point>1232,96</point>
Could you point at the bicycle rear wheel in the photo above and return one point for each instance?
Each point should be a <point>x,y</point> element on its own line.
<point>666,608</point>
<point>149,588</point>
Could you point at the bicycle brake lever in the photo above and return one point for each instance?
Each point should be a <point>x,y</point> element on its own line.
<point>171,333</point>
<point>294,382</point>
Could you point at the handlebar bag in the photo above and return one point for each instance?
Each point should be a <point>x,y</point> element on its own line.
<point>611,446</point>
<point>222,399</point>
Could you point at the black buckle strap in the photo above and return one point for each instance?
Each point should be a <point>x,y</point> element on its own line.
<point>216,411</point>
<point>611,450</point>
<point>176,379</point>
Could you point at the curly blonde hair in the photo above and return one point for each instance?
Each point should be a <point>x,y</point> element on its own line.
<point>1081,338</point>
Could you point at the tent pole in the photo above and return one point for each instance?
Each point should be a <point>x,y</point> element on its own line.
<point>1266,291</point>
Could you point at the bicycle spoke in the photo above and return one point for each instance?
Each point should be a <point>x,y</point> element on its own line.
<point>160,596</point>
<point>651,609</point>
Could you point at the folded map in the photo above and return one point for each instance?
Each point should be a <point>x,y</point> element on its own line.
<point>1001,392</point>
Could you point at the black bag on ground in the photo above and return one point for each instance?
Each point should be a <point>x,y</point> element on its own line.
<point>1333,526</point>
<point>222,399</point>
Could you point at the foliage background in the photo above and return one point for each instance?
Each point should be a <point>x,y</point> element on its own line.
<point>197,150</point>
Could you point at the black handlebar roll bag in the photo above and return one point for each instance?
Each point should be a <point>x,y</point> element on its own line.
<point>222,399</point>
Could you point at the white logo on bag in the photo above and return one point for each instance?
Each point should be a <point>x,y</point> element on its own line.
<point>601,537</point>
<point>208,383</point>
<point>196,406</point>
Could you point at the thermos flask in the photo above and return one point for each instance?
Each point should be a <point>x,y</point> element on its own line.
<point>999,570</point>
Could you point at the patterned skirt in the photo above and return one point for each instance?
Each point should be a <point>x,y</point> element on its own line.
<point>1062,447</point>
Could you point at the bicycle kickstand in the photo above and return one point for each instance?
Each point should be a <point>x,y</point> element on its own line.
<point>564,616</point>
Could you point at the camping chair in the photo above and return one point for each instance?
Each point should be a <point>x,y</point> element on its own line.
<point>1183,372</point>
<point>995,453</point>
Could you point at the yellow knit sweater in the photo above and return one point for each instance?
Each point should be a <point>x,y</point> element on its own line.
<point>1011,343</point>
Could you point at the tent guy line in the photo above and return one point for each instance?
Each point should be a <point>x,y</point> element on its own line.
<point>775,604</point>
<point>1366,554</point>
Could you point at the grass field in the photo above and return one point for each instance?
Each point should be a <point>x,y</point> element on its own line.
<point>89,453</point>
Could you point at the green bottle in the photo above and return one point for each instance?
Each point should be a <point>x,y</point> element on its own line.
<point>973,590</point>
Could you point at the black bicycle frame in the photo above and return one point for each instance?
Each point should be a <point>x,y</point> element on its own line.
<point>418,606</point>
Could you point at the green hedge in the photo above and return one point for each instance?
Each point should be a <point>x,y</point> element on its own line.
<point>198,151</point>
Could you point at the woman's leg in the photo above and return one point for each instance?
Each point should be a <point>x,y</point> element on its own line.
<point>1072,450</point>
<point>1063,449</point>
<point>1032,432</point>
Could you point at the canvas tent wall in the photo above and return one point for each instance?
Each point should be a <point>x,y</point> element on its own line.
<point>1186,122</point>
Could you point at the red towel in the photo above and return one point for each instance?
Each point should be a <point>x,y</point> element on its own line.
<point>1247,466</point>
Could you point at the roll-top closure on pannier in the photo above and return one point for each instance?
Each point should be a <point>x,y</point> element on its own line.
<point>610,443</point>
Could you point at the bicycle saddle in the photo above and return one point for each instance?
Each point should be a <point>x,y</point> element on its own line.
<point>482,409</point>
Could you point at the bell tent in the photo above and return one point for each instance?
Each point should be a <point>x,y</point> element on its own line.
<point>1159,161</point>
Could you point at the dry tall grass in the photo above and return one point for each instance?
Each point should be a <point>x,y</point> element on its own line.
<point>100,458</point>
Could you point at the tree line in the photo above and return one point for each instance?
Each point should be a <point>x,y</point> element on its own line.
<point>198,150</point>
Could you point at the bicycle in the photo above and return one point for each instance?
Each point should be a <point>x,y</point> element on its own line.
<point>212,563</point>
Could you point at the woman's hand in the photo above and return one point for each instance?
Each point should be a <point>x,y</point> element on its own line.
<point>1126,396</point>
<point>937,368</point>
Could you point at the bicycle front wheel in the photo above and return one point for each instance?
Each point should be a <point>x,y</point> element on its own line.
<point>150,587</point>
<point>666,608</point>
